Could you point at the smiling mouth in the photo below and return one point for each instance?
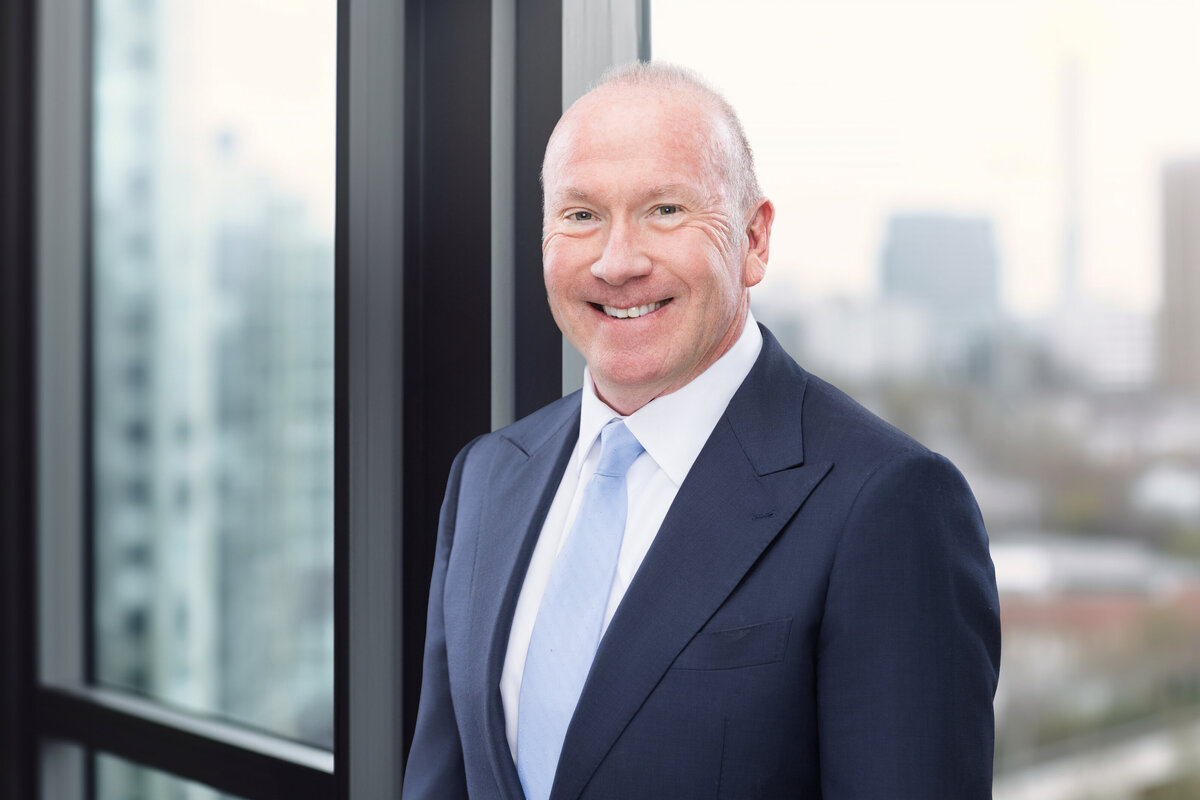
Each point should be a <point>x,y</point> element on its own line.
<point>635,311</point>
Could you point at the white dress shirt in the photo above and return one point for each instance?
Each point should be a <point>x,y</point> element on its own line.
<point>673,429</point>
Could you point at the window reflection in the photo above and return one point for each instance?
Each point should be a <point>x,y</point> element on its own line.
<point>988,229</point>
<point>212,330</point>
<point>117,779</point>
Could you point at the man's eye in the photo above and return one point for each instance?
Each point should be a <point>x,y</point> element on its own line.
<point>581,216</point>
<point>665,210</point>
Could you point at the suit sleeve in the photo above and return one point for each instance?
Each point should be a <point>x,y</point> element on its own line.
<point>909,650</point>
<point>435,761</point>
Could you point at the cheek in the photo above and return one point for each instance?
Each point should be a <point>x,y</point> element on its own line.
<point>561,284</point>
<point>714,274</point>
<point>553,266</point>
<point>563,258</point>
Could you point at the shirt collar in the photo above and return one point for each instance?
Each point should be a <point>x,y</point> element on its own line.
<point>673,428</point>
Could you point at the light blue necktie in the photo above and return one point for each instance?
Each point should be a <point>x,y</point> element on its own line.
<point>571,615</point>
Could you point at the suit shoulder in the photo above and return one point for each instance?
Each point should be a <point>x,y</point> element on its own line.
<point>878,454</point>
<point>782,410</point>
<point>531,432</point>
<point>837,423</point>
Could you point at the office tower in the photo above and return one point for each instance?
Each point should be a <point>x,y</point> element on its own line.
<point>151,618</point>
<point>212,406</point>
<point>946,267</point>
<point>1179,318</point>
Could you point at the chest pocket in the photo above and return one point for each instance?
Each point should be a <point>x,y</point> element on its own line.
<point>748,646</point>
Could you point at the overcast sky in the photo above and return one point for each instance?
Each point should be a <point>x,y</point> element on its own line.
<point>857,108</point>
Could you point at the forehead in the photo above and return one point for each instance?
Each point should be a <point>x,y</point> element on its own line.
<point>634,135</point>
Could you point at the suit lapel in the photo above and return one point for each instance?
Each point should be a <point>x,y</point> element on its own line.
<point>748,481</point>
<point>521,488</point>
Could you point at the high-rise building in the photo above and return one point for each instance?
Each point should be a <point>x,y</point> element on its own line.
<point>212,417</point>
<point>946,266</point>
<point>1179,320</point>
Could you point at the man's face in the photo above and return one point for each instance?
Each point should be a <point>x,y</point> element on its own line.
<point>646,270</point>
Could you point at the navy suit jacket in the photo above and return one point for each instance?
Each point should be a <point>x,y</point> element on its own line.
<point>817,616</point>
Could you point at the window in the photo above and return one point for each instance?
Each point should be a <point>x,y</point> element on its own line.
<point>246,259</point>
<point>227,424</point>
<point>116,778</point>
<point>213,191</point>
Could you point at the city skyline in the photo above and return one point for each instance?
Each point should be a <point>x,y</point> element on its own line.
<point>863,110</point>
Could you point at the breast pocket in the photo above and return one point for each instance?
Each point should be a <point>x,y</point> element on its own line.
<point>747,646</point>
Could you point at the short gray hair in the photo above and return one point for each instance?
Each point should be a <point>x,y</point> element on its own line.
<point>738,167</point>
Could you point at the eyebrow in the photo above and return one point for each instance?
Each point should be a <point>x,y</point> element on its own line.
<point>671,188</point>
<point>573,194</point>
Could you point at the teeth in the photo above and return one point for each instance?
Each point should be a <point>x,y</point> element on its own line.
<point>636,311</point>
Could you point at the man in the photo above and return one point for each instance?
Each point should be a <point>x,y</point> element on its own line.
<point>802,603</point>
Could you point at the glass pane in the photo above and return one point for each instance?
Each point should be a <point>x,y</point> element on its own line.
<point>117,779</point>
<point>988,230</point>
<point>212,329</point>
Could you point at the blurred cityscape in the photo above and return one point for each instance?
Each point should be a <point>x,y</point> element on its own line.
<point>212,422</point>
<point>1080,435</point>
<point>988,230</point>
<point>212,431</point>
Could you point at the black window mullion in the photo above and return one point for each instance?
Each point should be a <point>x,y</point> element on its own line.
<point>372,382</point>
<point>18,776</point>
<point>538,342</point>
<point>223,756</point>
<point>447,280</point>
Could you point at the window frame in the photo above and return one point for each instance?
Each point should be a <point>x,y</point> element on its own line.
<point>410,172</point>
<point>75,719</point>
<point>17,410</point>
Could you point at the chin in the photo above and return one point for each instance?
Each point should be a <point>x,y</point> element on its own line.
<point>628,379</point>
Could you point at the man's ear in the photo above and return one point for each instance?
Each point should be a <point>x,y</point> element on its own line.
<point>758,240</point>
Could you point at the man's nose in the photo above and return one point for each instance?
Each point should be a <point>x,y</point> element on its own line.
<point>623,257</point>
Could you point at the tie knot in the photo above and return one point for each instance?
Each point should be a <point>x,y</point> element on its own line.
<point>618,449</point>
